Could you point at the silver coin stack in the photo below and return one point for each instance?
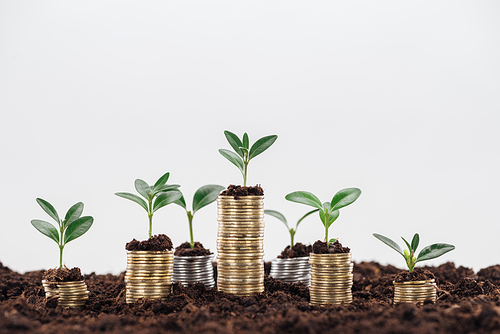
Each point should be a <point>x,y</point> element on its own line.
<point>331,278</point>
<point>240,237</point>
<point>149,275</point>
<point>69,294</point>
<point>415,291</point>
<point>192,269</point>
<point>291,270</point>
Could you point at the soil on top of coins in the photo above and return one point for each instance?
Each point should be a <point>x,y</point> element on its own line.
<point>160,242</point>
<point>298,250</point>
<point>185,249</point>
<point>418,274</point>
<point>320,247</point>
<point>239,191</point>
<point>466,303</point>
<point>63,275</point>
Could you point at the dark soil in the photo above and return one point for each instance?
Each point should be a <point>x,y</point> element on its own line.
<point>298,250</point>
<point>63,275</point>
<point>185,250</point>
<point>239,191</point>
<point>320,247</point>
<point>159,242</point>
<point>467,306</point>
<point>418,274</point>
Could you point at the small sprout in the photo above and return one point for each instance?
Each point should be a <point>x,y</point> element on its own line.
<point>243,151</point>
<point>202,197</point>
<point>70,228</point>
<point>157,196</point>
<point>430,252</point>
<point>292,230</point>
<point>328,211</point>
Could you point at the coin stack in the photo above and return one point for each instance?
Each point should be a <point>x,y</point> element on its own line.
<point>192,269</point>
<point>70,294</point>
<point>291,270</point>
<point>149,274</point>
<point>240,258</point>
<point>331,278</point>
<point>415,291</point>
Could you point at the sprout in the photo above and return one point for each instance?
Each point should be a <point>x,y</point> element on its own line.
<point>292,230</point>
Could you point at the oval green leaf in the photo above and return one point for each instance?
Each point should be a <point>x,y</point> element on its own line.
<point>134,198</point>
<point>246,142</point>
<point>407,244</point>
<point>344,197</point>
<point>433,251</point>
<point>304,197</point>
<point>234,141</point>
<point>161,181</point>
<point>46,229</point>
<point>234,158</point>
<point>73,213</point>
<point>261,145</point>
<point>142,188</point>
<point>414,242</point>
<point>389,243</point>
<point>277,215</point>
<point>206,195</point>
<point>166,198</point>
<point>77,228</point>
<point>47,207</point>
<point>166,188</point>
<point>181,202</point>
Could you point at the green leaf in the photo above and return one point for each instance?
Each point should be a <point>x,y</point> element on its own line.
<point>414,242</point>
<point>332,241</point>
<point>246,142</point>
<point>407,244</point>
<point>261,145</point>
<point>234,158</point>
<point>331,218</point>
<point>134,198</point>
<point>77,228</point>
<point>46,229</point>
<point>303,217</point>
<point>433,251</point>
<point>181,202</point>
<point>278,215</point>
<point>234,141</point>
<point>244,151</point>
<point>73,213</point>
<point>389,243</point>
<point>166,198</point>
<point>344,197</point>
<point>161,181</point>
<point>143,188</point>
<point>206,195</point>
<point>166,188</point>
<point>47,207</point>
<point>304,197</point>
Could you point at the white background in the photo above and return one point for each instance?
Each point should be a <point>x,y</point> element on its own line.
<point>400,99</point>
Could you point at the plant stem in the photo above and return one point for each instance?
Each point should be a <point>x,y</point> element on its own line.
<point>327,218</point>
<point>150,216</point>
<point>245,175</point>
<point>61,247</point>
<point>190,220</point>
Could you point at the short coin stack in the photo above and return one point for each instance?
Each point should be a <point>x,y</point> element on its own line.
<point>70,294</point>
<point>240,259</point>
<point>192,269</point>
<point>291,270</point>
<point>414,291</point>
<point>149,274</point>
<point>331,278</point>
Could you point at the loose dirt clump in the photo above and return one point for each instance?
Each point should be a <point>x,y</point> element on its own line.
<point>63,275</point>
<point>320,247</point>
<point>185,249</point>
<point>298,250</point>
<point>160,242</point>
<point>239,191</point>
<point>418,274</point>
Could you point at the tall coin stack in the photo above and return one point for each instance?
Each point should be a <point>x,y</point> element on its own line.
<point>331,278</point>
<point>192,269</point>
<point>291,270</point>
<point>149,274</point>
<point>240,258</point>
<point>414,291</point>
<point>70,294</point>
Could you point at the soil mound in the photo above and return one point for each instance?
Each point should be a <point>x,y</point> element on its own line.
<point>418,274</point>
<point>239,191</point>
<point>320,247</point>
<point>185,249</point>
<point>63,275</point>
<point>160,242</point>
<point>298,250</point>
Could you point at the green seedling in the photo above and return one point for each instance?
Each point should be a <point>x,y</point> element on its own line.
<point>157,196</point>
<point>202,197</point>
<point>430,252</point>
<point>328,211</point>
<point>70,228</point>
<point>243,151</point>
<point>291,230</point>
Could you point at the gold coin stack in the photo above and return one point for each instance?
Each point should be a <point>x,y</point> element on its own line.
<point>149,274</point>
<point>331,278</point>
<point>69,294</point>
<point>415,291</point>
<point>240,248</point>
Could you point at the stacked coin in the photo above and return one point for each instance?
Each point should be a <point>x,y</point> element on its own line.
<point>331,278</point>
<point>70,294</point>
<point>291,270</point>
<point>192,269</point>
<point>149,274</point>
<point>416,291</point>
<point>240,258</point>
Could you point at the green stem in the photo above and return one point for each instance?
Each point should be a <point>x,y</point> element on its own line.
<point>190,219</point>
<point>327,218</point>
<point>245,175</point>
<point>61,247</point>
<point>150,216</point>
<point>292,234</point>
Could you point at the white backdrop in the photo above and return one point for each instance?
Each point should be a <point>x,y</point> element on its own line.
<point>399,99</point>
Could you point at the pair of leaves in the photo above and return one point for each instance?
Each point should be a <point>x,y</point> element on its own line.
<point>281,217</point>
<point>202,197</point>
<point>427,253</point>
